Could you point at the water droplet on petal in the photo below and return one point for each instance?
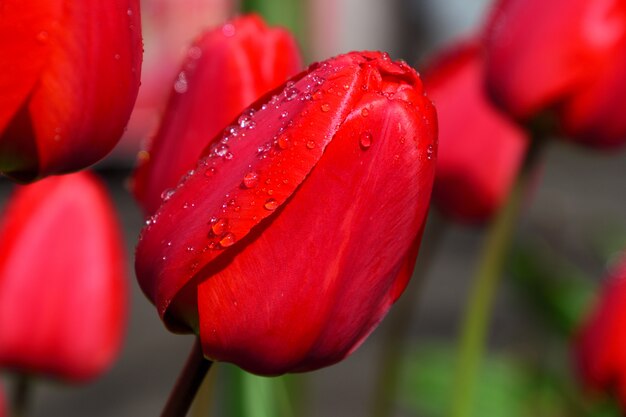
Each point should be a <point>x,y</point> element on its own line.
<point>219,227</point>
<point>430,151</point>
<point>167,194</point>
<point>271,204</point>
<point>227,240</point>
<point>325,107</point>
<point>209,172</point>
<point>250,180</point>
<point>283,141</point>
<point>129,12</point>
<point>365,112</point>
<point>228,30</point>
<point>310,144</point>
<point>365,140</point>
<point>181,85</point>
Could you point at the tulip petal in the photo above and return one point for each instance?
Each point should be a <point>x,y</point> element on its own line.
<point>326,268</point>
<point>62,279</point>
<point>235,64</point>
<point>480,149</point>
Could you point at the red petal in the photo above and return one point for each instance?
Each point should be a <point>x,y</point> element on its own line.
<point>86,90</point>
<point>306,290</point>
<point>226,70</point>
<point>540,52</point>
<point>480,149</point>
<point>62,279</point>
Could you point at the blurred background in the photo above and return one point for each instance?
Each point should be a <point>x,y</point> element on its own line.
<point>577,213</point>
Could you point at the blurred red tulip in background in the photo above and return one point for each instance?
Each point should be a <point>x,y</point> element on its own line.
<point>562,55</point>
<point>601,344</point>
<point>62,279</point>
<point>169,27</point>
<point>69,80</point>
<point>480,149</point>
<point>298,230</point>
<point>226,70</point>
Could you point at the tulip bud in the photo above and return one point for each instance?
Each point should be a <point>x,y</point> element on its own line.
<point>62,279</point>
<point>567,56</point>
<point>601,342</point>
<point>226,70</point>
<point>299,227</point>
<point>70,76</point>
<point>480,149</point>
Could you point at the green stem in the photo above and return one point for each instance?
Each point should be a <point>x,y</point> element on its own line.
<point>485,284</point>
<point>20,400</point>
<point>188,383</point>
<point>398,324</point>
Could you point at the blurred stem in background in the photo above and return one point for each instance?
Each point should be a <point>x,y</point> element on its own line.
<point>21,395</point>
<point>485,283</point>
<point>398,326</point>
<point>288,13</point>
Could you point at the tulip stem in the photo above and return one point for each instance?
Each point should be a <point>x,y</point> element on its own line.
<point>21,395</point>
<point>399,322</point>
<point>485,283</point>
<point>188,383</point>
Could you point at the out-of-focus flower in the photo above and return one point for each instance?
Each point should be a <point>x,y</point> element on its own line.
<point>70,76</point>
<point>601,343</point>
<point>62,279</point>
<point>480,149</point>
<point>563,55</point>
<point>168,27</point>
<point>299,228</point>
<point>226,70</point>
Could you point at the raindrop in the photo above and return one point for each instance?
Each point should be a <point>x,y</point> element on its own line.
<point>221,149</point>
<point>430,151</point>
<point>325,107</point>
<point>219,227</point>
<point>194,52</point>
<point>291,93</point>
<point>227,240</point>
<point>129,12</point>
<point>365,140</point>
<point>271,204</point>
<point>228,30</point>
<point>167,194</point>
<point>209,172</point>
<point>181,85</point>
<point>283,142</point>
<point>284,114</point>
<point>42,36</point>
<point>251,179</point>
<point>365,112</point>
<point>310,144</point>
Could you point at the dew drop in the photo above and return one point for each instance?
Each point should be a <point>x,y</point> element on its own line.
<point>430,151</point>
<point>194,52</point>
<point>227,240</point>
<point>42,36</point>
<point>117,57</point>
<point>219,227</point>
<point>317,95</point>
<point>181,85</point>
<point>228,30</point>
<point>365,140</point>
<point>271,204</point>
<point>167,194</point>
<point>221,150</point>
<point>129,12</point>
<point>209,172</point>
<point>325,107</point>
<point>251,179</point>
<point>283,142</point>
<point>365,112</point>
<point>310,144</point>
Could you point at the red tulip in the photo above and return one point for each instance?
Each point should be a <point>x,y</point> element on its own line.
<point>480,149</point>
<point>70,75</point>
<point>299,228</point>
<point>226,70</point>
<point>62,279</point>
<point>601,344</point>
<point>562,55</point>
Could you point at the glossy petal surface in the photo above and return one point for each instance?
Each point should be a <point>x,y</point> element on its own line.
<point>62,279</point>
<point>67,99</point>
<point>303,237</point>
<point>480,148</point>
<point>226,70</point>
<point>601,343</point>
